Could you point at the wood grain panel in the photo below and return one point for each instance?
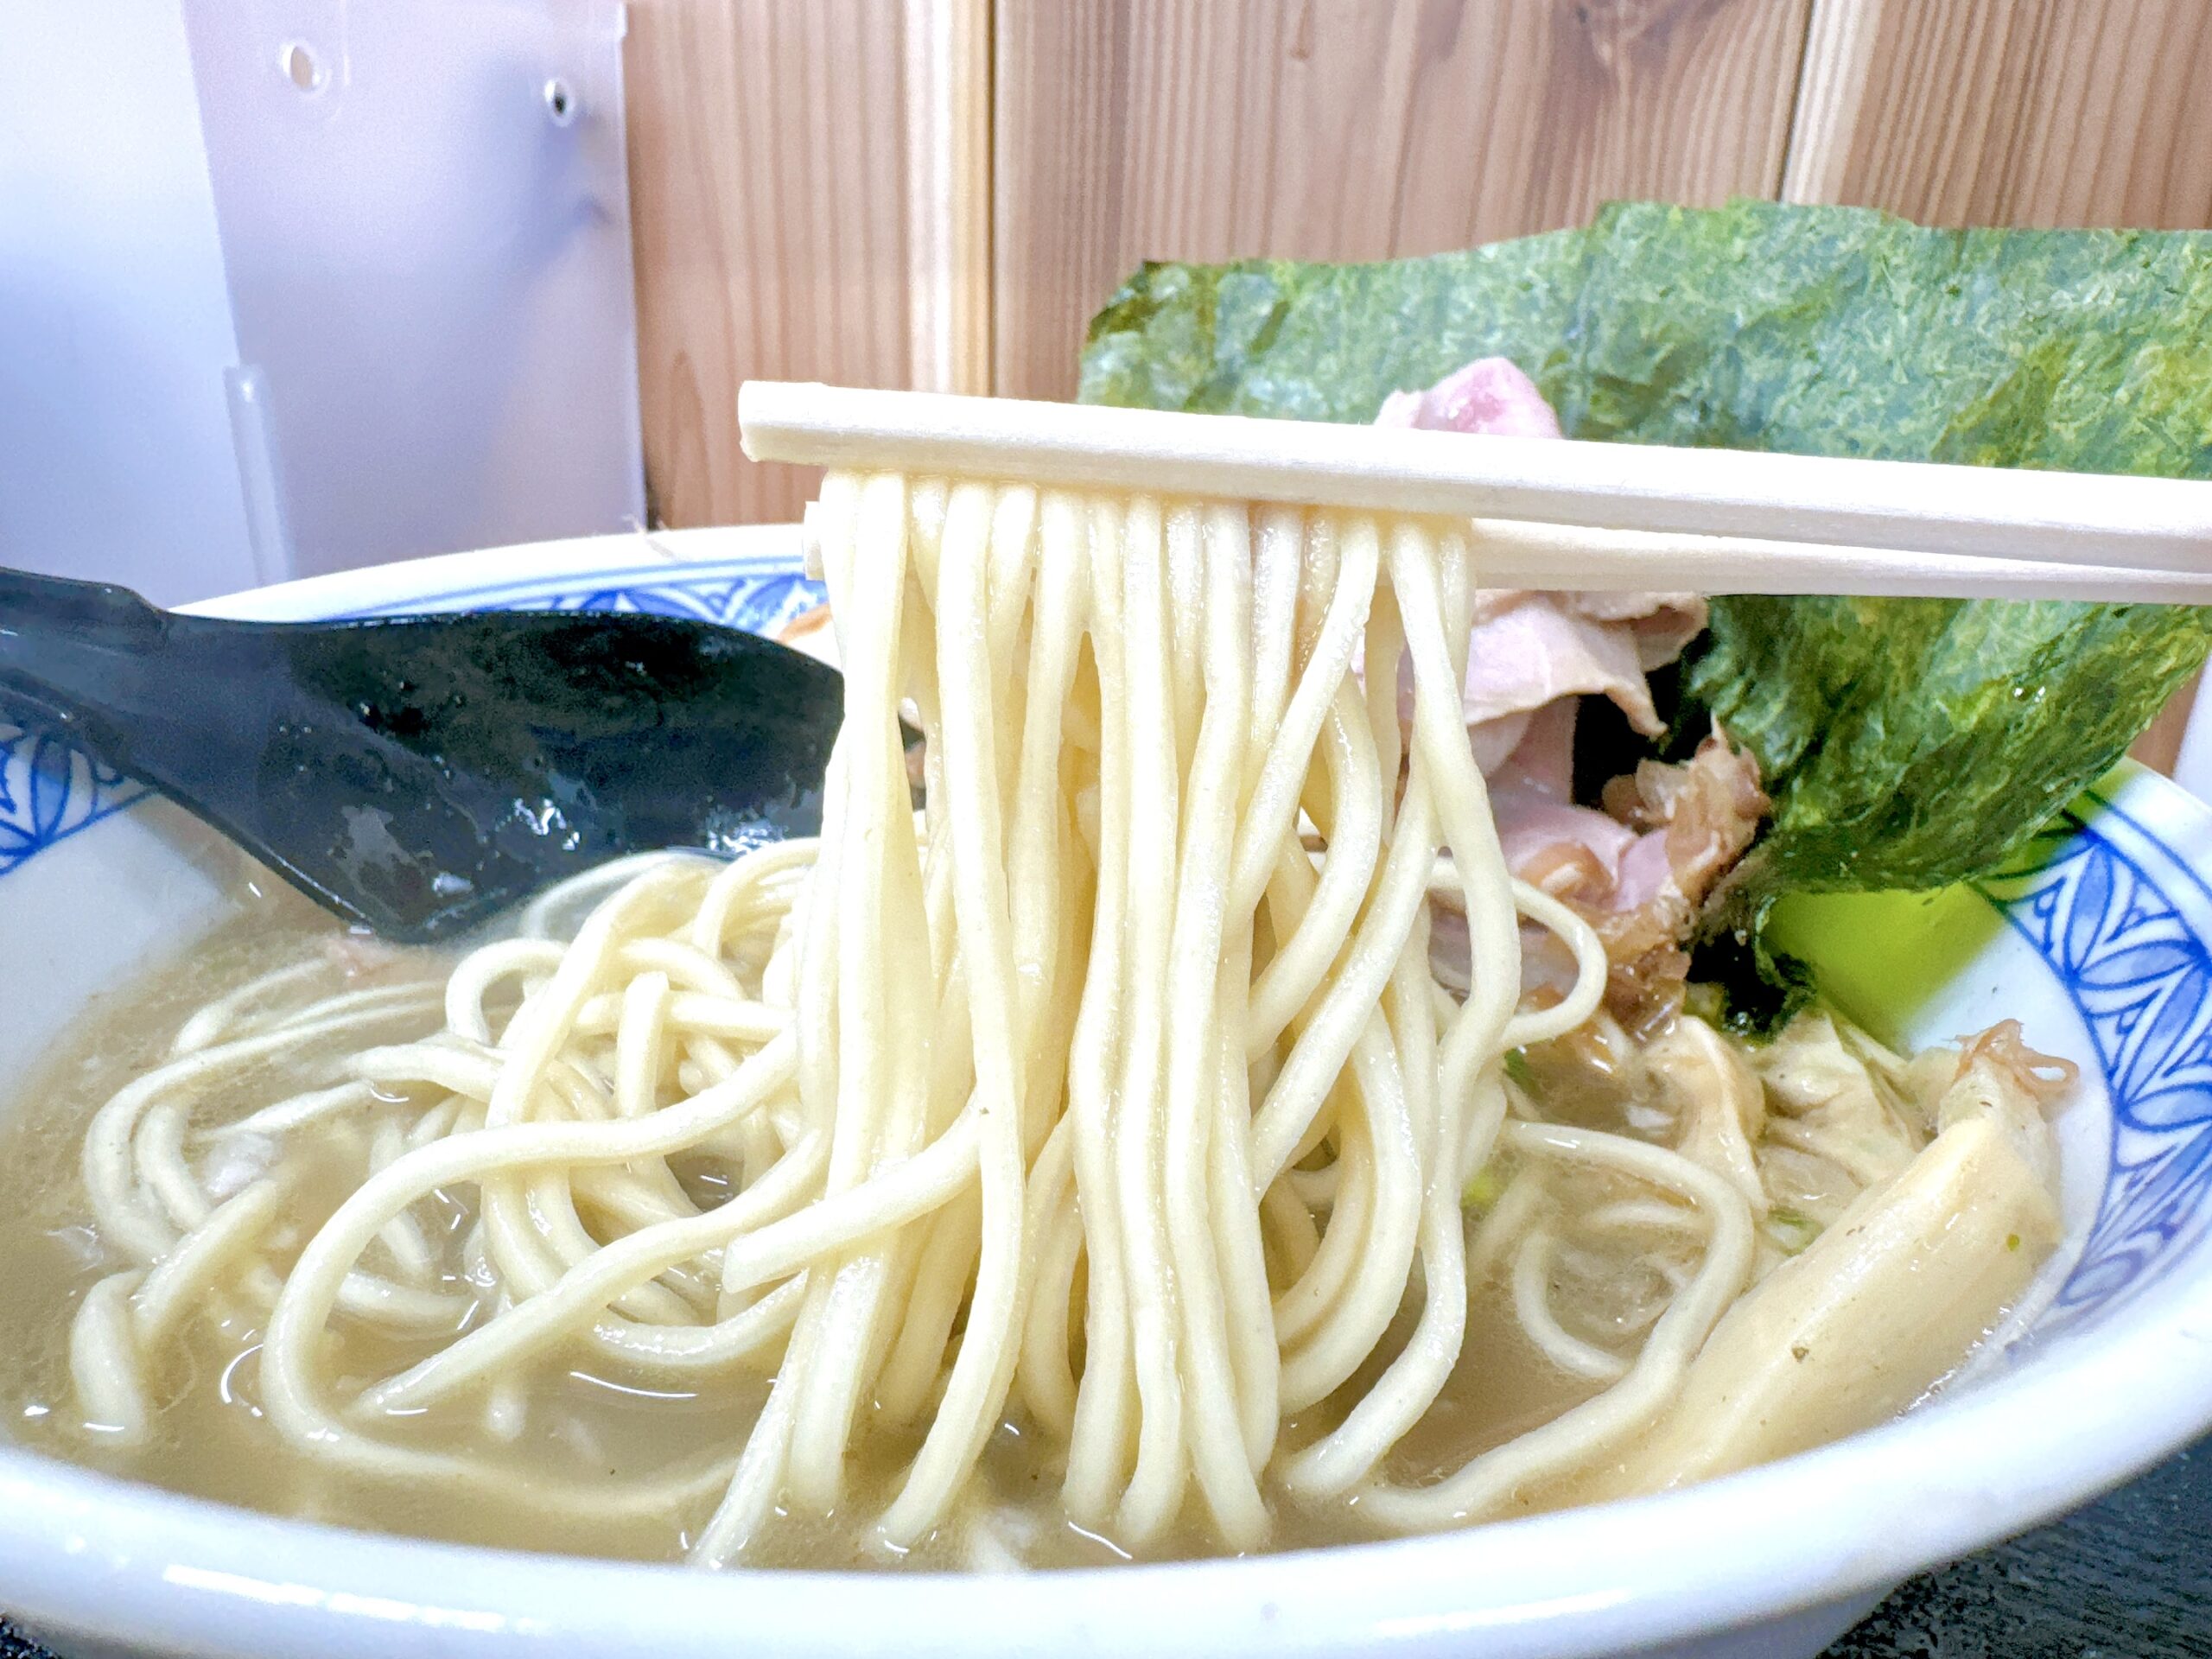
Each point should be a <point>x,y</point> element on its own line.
<point>949,193</point>
<point>1351,129</point>
<point>2009,111</point>
<point>807,186</point>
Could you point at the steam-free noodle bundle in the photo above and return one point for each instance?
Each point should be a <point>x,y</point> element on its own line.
<point>1109,1102</point>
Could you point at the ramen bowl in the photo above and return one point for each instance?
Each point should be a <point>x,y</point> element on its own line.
<point>2098,938</point>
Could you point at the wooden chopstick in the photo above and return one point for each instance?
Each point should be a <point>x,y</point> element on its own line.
<point>1559,513</point>
<point>1513,553</point>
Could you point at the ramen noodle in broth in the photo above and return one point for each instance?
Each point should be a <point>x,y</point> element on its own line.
<point>1112,1157</point>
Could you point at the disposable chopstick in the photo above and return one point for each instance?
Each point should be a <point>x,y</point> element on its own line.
<point>1557,556</point>
<point>1514,554</point>
<point>1712,519</point>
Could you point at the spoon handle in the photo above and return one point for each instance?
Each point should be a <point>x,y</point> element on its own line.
<point>95,613</point>
<point>73,655</point>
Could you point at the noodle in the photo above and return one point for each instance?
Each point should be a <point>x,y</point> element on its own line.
<point>1090,1092</point>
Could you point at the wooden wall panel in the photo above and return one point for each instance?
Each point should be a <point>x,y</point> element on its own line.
<point>1350,129</point>
<point>790,169</point>
<point>949,194</point>
<point>2009,111</point>
<point>939,192</point>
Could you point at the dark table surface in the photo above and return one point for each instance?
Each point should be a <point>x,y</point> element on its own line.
<point>2128,1577</point>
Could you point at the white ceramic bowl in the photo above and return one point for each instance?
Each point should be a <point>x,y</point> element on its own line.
<point>2101,943</point>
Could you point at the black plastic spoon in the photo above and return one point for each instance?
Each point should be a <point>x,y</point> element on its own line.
<point>419,774</point>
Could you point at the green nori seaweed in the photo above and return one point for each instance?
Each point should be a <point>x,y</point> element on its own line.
<point>1908,743</point>
<point>1327,342</point>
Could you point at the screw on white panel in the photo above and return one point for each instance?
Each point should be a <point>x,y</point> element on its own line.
<point>298,61</point>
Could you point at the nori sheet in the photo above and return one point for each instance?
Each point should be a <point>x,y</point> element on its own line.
<point>1908,743</point>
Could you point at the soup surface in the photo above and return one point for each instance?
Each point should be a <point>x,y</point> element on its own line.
<point>662,1453</point>
<point>211,1438</point>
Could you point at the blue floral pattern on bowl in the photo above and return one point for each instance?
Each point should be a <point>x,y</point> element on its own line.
<point>2120,918</point>
<point>48,792</point>
<point>759,595</point>
<point>757,603</point>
